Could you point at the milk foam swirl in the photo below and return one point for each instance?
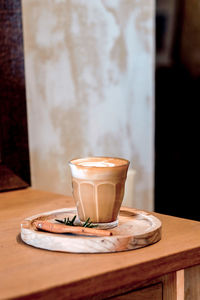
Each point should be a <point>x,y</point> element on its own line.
<point>96,164</point>
<point>97,168</point>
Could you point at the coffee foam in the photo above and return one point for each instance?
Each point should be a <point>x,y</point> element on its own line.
<point>98,161</point>
<point>96,164</point>
<point>84,168</point>
<point>77,172</point>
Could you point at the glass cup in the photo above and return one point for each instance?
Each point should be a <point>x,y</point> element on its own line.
<point>98,188</point>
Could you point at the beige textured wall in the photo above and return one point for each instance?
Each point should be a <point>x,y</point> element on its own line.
<point>89,76</point>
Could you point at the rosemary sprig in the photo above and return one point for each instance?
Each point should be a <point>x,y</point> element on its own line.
<point>67,221</point>
<point>71,222</point>
<point>89,224</point>
<point>86,223</point>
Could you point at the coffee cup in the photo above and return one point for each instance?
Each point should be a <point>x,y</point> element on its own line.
<point>98,185</point>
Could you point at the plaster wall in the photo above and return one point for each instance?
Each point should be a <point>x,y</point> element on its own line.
<point>90,88</point>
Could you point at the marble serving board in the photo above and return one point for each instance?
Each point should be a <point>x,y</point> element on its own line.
<point>136,229</point>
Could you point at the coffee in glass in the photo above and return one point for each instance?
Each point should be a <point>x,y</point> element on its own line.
<point>98,188</point>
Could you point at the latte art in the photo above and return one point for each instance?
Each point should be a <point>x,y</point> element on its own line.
<point>96,164</point>
<point>99,162</point>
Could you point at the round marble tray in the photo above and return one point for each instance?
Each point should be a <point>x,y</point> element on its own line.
<point>136,229</point>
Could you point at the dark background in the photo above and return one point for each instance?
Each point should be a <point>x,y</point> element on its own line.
<point>14,153</point>
<point>177,114</point>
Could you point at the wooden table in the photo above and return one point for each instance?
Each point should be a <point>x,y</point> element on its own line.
<point>166,270</point>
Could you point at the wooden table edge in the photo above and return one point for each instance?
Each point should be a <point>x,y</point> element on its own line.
<point>132,277</point>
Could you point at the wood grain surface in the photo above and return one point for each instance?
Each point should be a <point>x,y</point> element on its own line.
<point>136,229</point>
<point>31,272</point>
<point>153,292</point>
<point>192,283</point>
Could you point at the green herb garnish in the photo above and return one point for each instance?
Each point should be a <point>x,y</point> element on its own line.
<point>71,222</point>
<point>89,224</point>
